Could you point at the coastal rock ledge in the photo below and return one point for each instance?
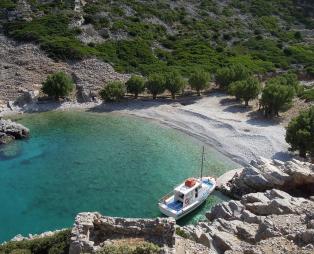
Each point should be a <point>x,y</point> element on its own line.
<point>92,231</point>
<point>10,130</point>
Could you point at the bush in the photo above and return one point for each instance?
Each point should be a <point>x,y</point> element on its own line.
<point>58,85</point>
<point>114,91</point>
<point>56,244</point>
<point>287,79</point>
<point>155,84</point>
<point>174,83</point>
<point>135,85</point>
<point>246,90</point>
<point>300,133</point>
<point>275,97</point>
<point>308,94</point>
<point>199,80</point>
<point>227,75</point>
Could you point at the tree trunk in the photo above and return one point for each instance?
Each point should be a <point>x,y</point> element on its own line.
<point>302,153</point>
<point>246,103</point>
<point>198,93</point>
<point>154,96</point>
<point>173,95</point>
<point>136,95</point>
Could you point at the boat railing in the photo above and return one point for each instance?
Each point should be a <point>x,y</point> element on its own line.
<point>164,198</point>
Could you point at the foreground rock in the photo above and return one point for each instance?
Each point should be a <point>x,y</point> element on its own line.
<point>269,222</point>
<point>10,130</point>
<point>92,231</point>
<point>292,176</point>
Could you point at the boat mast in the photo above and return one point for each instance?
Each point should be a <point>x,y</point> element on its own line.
<point>203,155</point>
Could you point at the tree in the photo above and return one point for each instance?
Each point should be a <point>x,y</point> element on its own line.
<point>155,84</point>
<point>135,85</point>
<point>225,76</point>
<point>246,90</point>
<point>274,97</point>
<point>287,79</point>
<point>58,85</point>
<point>174,83</point>
<point>114,91</point>
<point>199,80</point>
<point>300,133</point>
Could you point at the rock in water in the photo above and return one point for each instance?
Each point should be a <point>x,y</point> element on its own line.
<point>10,130</point>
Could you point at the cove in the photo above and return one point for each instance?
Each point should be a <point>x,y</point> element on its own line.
<point>78,161</point>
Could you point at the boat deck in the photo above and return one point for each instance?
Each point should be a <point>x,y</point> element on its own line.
<point>175,205</point>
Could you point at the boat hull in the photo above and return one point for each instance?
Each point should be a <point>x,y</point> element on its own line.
<point>178,214</point>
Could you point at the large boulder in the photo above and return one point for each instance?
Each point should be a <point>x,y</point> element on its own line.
<point>10,130</point>
<point>292,176</point>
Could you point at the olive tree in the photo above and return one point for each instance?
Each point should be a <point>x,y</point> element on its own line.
<point>113,91</point>
<point>246,90</point>
<point>275,97</point>
<point>58,85</point>
<point>199,81</point>
<point>300,133</point>
<point>155,84</point>
<point>174,83</point>
<point>135,85</point>
<point>225,76</point>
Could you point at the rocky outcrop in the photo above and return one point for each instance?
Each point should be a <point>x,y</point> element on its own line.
<point>258,223</point>
<point>23,68</point>
<point>292,176</point>
<point>92,231</point>
<point>10,130</point>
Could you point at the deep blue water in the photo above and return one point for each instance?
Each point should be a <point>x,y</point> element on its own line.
<point>75,161</point>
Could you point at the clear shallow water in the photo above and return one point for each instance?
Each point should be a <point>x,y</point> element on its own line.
<point>75,161</point>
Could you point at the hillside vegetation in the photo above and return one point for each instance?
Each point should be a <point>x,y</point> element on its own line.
<point>152,36</point>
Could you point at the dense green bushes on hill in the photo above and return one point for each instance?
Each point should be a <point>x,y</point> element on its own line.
<point>168,35</point>
<point>56,244</point>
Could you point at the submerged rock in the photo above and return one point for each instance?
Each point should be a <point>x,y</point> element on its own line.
<point>10,130</point>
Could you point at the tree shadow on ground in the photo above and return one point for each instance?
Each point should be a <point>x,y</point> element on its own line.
<point>131,104</point>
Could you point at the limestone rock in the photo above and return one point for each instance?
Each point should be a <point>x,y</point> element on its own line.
<point>92,231</point>
<point>10,130</point>
<point>265,174</point>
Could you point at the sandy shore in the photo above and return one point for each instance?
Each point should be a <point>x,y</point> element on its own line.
<point>215,119</point>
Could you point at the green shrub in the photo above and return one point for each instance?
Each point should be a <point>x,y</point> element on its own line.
<point>246,90</point>
<point>300,134</point>
<point>58,85</point>
<point>174,83</point>
<point>308,94</point>
<point>135,85</point>
<point>56,244</point>
<point>227,75</point>
<point>287,79</point>
<point>155,84</point>
<point>181,233</point>
<point>275,97</point>
<point>114,91</point>
<point>199,81</point>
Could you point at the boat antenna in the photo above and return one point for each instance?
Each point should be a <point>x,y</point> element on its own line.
<point>203,158</point>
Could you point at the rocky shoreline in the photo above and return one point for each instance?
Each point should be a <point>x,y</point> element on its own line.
<point>10,131</point>
<point>262,219</point>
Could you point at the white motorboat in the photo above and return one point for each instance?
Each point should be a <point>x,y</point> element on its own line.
<point>187,196</point>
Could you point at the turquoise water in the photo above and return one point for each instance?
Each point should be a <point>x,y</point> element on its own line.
<point>75,161</point>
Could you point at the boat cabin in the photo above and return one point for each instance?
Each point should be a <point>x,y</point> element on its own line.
<point>188,191</point>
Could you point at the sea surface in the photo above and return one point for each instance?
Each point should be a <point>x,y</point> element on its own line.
<point>77,161</point>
